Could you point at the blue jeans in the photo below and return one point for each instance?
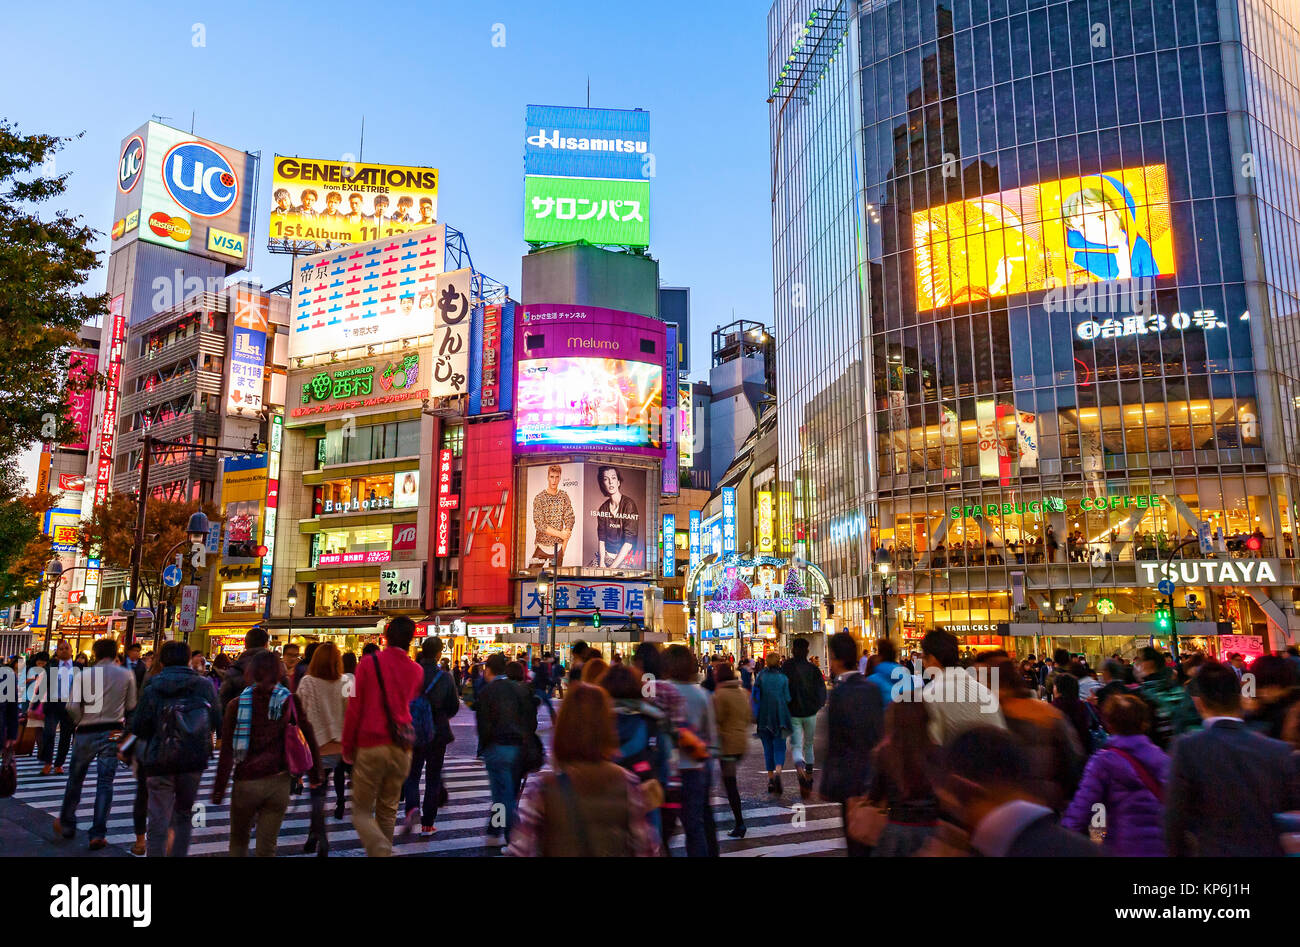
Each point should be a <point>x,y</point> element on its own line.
<point>426,761</point>
<point>773,748</point>
<point>102,749</point>
<point>802,730</point>
<point>697,814</point>
<point>502,765</point>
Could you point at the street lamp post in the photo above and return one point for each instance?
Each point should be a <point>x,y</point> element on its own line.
<point>544,590</point>
<point>293,603</point>
<point>54,571</point>
<point>883,568</point>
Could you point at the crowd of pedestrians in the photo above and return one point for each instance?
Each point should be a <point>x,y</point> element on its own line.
<point>941,754</point>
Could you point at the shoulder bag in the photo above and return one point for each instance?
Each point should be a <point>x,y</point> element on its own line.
<point>297,751</point>
<point>402,735</point>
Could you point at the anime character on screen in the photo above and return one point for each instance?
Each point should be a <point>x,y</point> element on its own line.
<point>618,524</point>
<point>1101,231</point>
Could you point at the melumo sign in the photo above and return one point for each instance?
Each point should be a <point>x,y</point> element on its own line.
<point>1212,572</point>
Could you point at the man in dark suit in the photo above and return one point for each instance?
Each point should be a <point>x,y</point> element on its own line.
<point>135,664</point>
<point>984,787</point>
<point>1226,782</point>
<point>855,720</point>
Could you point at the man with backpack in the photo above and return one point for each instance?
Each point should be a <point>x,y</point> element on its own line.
<point>502,728</point>
<point>378,736</point>
<point>99,708</point>
<point>174,725</point>
<point>431,714</point>
<point>255,640</point>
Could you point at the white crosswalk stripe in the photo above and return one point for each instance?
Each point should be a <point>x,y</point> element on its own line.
<point>773,829</point>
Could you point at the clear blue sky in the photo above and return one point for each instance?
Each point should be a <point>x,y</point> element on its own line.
<point>296,78</point>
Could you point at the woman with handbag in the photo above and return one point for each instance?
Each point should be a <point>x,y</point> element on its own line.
<point>265,741</point>
<point>735,718</point>
<point>588,806</point>
<point>901,810</point>
<point>320,692</point>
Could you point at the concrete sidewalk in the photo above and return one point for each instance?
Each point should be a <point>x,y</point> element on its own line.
<point>26,832</point>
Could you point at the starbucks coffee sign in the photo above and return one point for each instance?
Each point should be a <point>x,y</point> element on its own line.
<point>1212,572</point>
<point>988,510</point>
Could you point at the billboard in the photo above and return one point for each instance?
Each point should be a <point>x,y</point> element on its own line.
<point>366,294</point>
<point>492,344</point>
<point>589,402</point>
<point>247,354</point>
<point>333,203</point>
<point>575,598</point>
<point>1114,225</point>
<point>447,501</point>
<point>487,533</point>
<point>586,143</point>
<point>670,475</point>
<point>595,512</point>
<point>728,521</point>
<point>184,192</point>
<point>361,387</point>
<point>81,396</point>
<point>589,377</point>
<point>602,212</point>
<point>243,498</point>
<point>108,421</point>
<point>669,538</point>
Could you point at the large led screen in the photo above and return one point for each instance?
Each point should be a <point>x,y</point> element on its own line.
<point>589,402</point>
<point>1109,226</point>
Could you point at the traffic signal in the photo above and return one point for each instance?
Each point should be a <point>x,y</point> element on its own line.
<point>1253,542</point>
<point>245,550</point>
<point>1163,619</point>
<point>595,619</point>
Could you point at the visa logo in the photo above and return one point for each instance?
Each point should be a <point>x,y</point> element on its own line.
<point>230,244</point>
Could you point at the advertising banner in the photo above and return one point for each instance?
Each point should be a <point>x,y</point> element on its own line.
<point>404,535</point>
<point>188,613</point>
<point>72,483</point>
<point>486,398</point>
<point>1027,438</point>
<point>728,521</point>
<point>243,498</point>
<point>696,553</point>
<point>764,525</point>
<point>397,585</point>
<point>187,193</point>
<point>585,142</point>
<point>576,598</point>
<point>81,396</point>
<point>670,478</point>
<point>330,203</point>
<point>669,538</point>
<point>371,557</point>
<point>365,294</point>
<point>603,212</point>
<point>554,501</point>
<point>361,387</point>
<point>108,421</point>
<point>453,295</point>
<point>989,436</point>
<point>487,533</point>
<point>614,529</point>
<point>1109,226</point>
<point>685,426</point>
<point>247,355</point>
<point>447,501</point>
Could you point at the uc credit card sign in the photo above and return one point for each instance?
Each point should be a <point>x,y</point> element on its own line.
<point>562,141</point>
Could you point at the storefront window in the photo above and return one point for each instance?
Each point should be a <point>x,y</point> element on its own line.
<point>359,597</point>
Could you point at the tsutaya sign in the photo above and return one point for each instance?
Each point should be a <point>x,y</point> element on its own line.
<point>1212,572</point>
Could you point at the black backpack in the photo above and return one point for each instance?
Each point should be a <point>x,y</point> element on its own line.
<point>422,721</point>
<point>182,742</point>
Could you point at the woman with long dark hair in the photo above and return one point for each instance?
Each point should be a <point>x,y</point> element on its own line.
<point>902,767</point>
<point>321,694</point>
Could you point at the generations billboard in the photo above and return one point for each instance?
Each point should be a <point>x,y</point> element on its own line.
<point>602,212</point>
<point>588,377</point>
<point>332,203</point>
<point>595,513</point>
<point>1109,226</point>
<point>366,294</point>
<point>187,193</point>
<point>487,533</point>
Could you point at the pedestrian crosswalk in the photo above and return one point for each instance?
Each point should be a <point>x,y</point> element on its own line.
<point>774,829</point>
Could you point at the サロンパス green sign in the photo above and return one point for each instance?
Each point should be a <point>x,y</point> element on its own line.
<point>603,212</point>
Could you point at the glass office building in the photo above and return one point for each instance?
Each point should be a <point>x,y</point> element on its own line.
<point>1036,295</point>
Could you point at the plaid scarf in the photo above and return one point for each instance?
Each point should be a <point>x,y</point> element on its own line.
<point>244,717</point>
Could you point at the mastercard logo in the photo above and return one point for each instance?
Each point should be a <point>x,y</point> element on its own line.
<point>165,225</point>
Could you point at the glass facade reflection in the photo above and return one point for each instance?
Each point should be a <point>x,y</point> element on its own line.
<point>1036,296</point>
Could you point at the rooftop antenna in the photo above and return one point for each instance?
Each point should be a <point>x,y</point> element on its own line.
<point>160,118</point>
<point>361,155</point>
<point>192,123</point>
<point>588,91</point>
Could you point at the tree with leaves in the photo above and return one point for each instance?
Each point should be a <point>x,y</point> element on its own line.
<point>24,546</point>
<point>45,260</point>
<point>110,533</point>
